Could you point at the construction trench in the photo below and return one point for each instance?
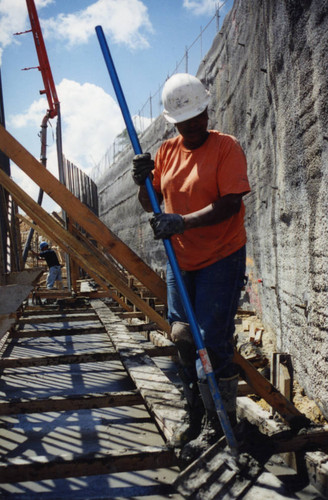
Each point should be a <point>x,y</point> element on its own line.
<point>89,385</point>
<point>90,392</point>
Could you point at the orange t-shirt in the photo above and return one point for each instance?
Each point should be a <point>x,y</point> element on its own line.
<point>192,179</point>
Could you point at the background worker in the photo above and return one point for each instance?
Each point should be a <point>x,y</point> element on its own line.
<point>52,261</point>
<point>202,176</point>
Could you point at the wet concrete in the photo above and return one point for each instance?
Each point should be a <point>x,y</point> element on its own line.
<point>54,434</point>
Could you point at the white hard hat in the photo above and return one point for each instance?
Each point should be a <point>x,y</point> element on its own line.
<point>183,96</point>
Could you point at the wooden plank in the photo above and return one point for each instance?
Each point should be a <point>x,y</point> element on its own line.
<point>310,440</point>
<point>31,312</point>
<point>282,438</point>
<point>255,414</point>
<point>60,318</point>
<point>244,389</point>
<point>315,461</point>
<point>91,357</point>
<point>63,332</point>
<point>267,391</point>
<point>140,327</point>
<point>317,469</point>
<point>73,465</point>
<point>70,402</point>
<point>61,293</point>
<point>72,246</point>
<point>66,295</point>
<point>78,212</point>
<point>167,350</point>
<point>98,294</point>
<point>161,397</point>
<point>51,294</point>
<point>132,314</point>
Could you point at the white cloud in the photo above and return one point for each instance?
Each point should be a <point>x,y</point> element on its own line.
<point>33,116</point>
<point>126,21</point>
<point>201,7</point>
<point>91,119</point>
<point>13,19</point>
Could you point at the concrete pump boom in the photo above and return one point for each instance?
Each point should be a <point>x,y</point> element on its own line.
<point>44,66</point>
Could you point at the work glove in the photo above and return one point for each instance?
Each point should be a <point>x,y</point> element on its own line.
<point>165,225</point>
<point>142,166</point>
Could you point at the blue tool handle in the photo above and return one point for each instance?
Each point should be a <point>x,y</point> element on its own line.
<point>225,423</point>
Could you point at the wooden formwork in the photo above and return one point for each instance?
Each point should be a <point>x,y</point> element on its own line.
<point>69,373</point>
<point>42,450</point>
<point>72,344</point>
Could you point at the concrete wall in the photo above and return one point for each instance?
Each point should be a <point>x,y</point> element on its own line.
<point>267,73</point>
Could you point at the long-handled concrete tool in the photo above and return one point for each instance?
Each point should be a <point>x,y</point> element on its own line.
<point>218,473</point>
<point>225,423</point>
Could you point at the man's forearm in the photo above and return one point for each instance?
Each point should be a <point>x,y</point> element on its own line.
<point>214,213</point>
<point>144,199</point>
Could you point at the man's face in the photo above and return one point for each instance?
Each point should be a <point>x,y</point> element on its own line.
<point>194,130</point>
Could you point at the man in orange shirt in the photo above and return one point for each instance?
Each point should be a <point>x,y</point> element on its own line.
<point>201,175</point>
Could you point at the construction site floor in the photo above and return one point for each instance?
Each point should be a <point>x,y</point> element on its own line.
<point>84,432</point>
<point>65,356</point>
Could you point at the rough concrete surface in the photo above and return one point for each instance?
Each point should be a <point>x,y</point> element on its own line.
<point>267,74</point>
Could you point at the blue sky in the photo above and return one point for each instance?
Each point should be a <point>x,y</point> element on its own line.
<point>146,39</point>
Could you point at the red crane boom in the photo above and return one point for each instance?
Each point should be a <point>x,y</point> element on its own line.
<point>44,66</point>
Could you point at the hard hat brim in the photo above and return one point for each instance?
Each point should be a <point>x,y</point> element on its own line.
<point>187,114</point>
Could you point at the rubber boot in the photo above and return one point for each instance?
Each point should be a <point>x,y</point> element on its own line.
<point>191,426</point>
<point>211,428</point>
<point>228,388</point>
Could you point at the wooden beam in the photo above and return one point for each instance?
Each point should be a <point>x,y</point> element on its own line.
<point>60,293</point>
<point>32,312</point>
<point>63,332</point>
<point>70,402</point>
<point>315,462</point>
<point>161,397</point>
<point>316,439</point>
<point>266,390</point>
<point>79,212</point>
<point>131,314</point>
<point>58,318</point>
<point>75,247</point>
<point>91,357</point>
<point>73,465</point>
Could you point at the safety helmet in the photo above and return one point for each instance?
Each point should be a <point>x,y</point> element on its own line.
<point>43,244</point>
<point>184,96</point>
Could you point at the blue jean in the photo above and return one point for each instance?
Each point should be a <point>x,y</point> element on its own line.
<point>53,275</point>
<point>214,293</point>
